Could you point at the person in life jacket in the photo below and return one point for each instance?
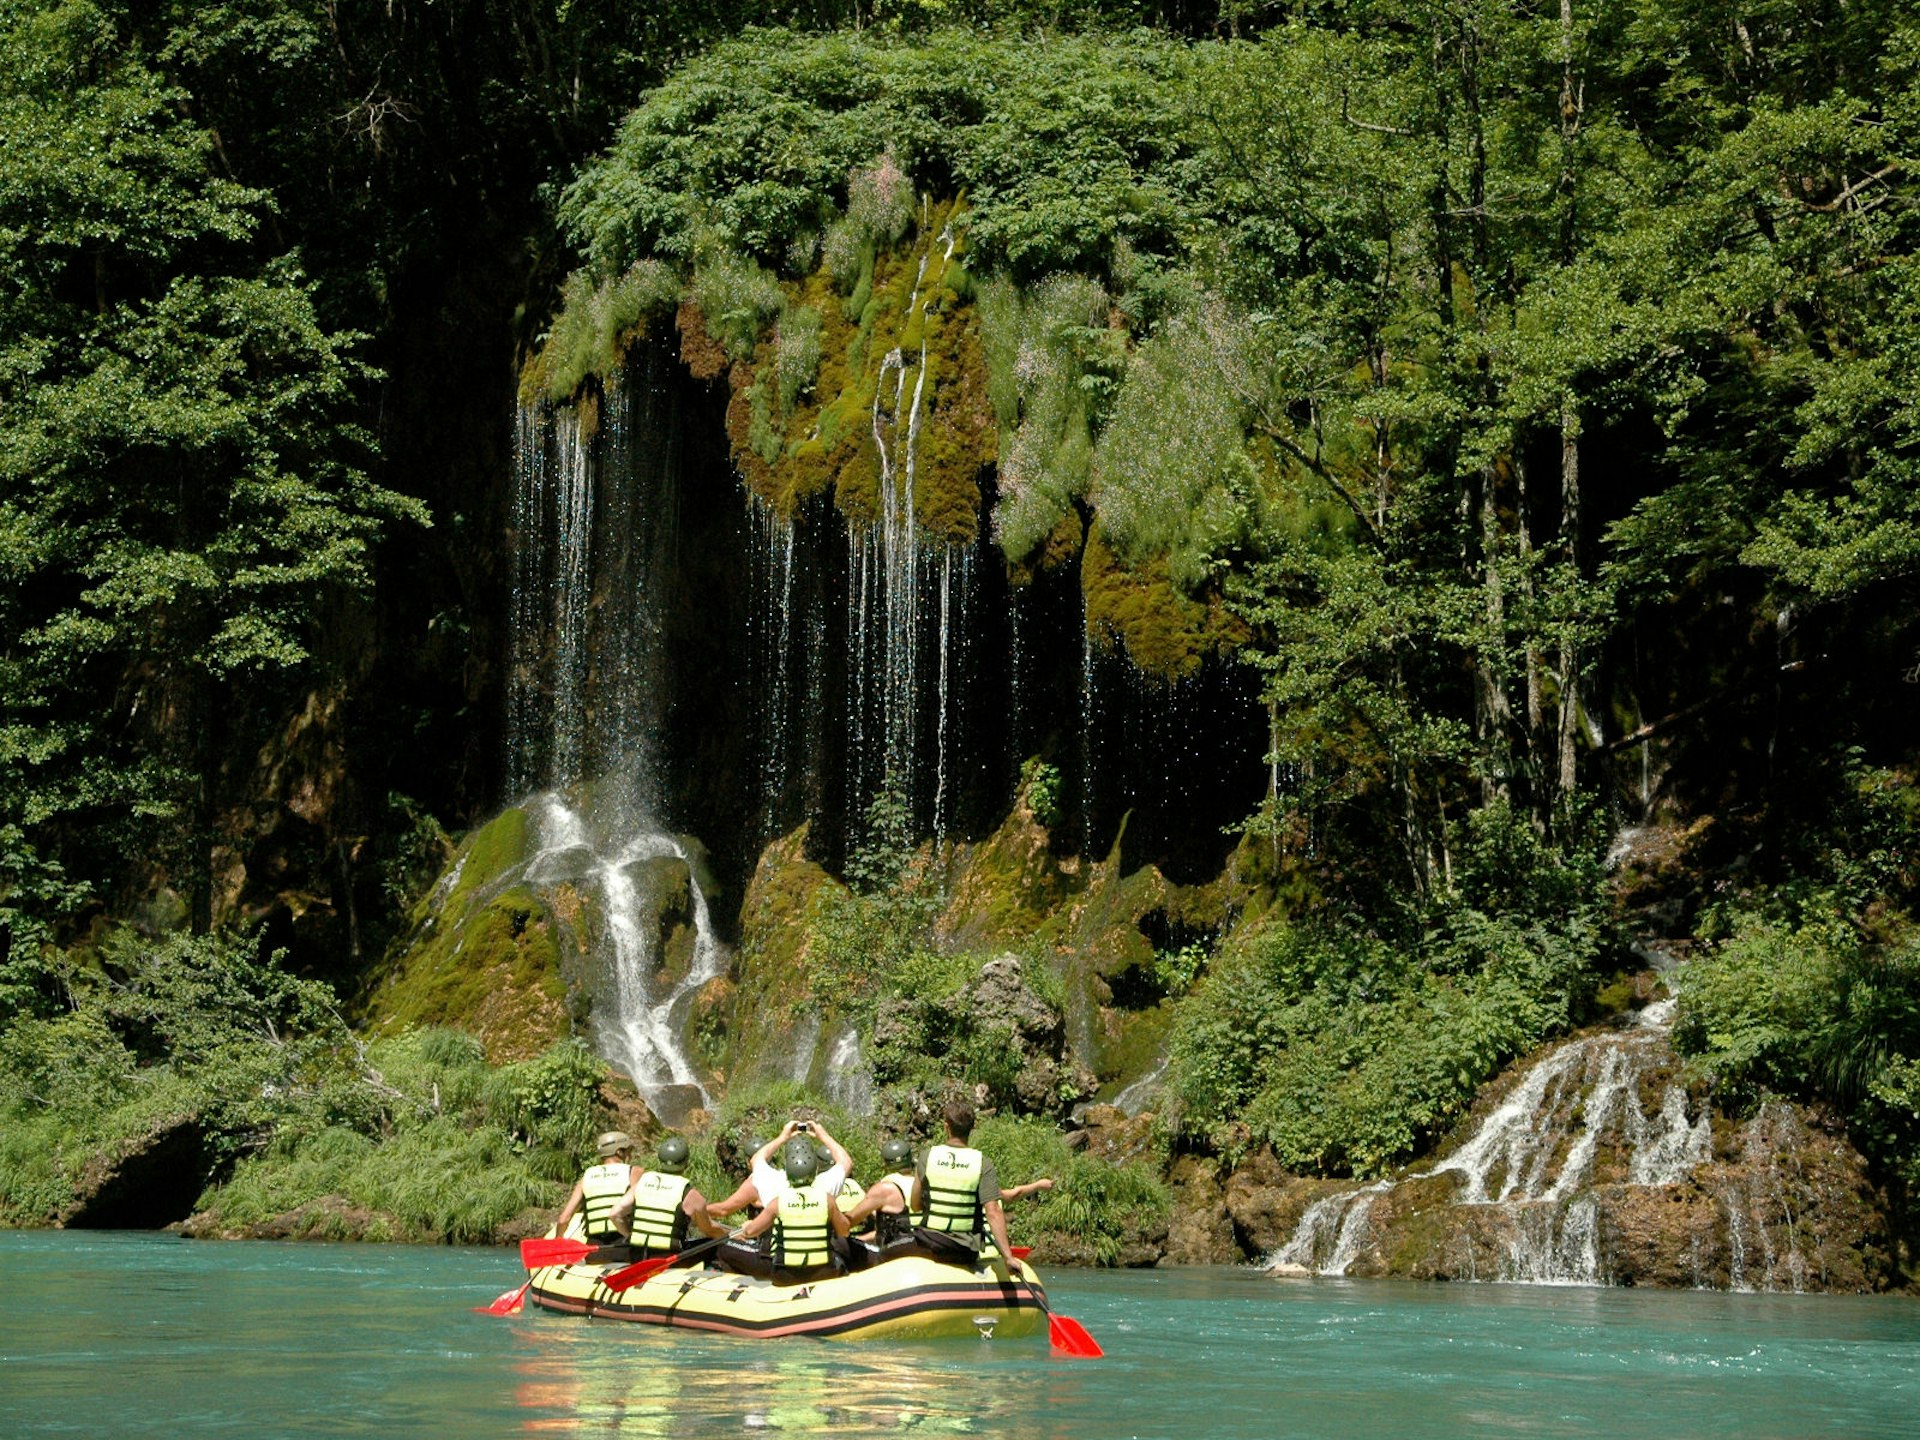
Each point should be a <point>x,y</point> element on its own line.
<point>597,1191</point>
<point>764,1178</point>
<point>886,1201</point>
<point>662,1204</point>
<point>956,1192</point>
<point>809,1232</point>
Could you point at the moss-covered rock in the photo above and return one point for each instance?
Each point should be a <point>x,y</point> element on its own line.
<point>1164,631</point>
<point>770,990</point>
<point>494,959</point>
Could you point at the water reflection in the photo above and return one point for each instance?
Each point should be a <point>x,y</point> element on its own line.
<point>582,1380</point>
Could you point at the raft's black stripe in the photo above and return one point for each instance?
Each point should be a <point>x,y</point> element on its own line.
<point>823,1322</point>
<point>851,1316</point>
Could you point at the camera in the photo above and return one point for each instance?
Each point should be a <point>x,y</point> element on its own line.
<point>803,1126</point>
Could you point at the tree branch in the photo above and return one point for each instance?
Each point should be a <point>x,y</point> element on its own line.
<point>1346,116</point>
<point>1892,167</point>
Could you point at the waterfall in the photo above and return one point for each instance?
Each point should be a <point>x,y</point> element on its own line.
<point>1531,1165</point>
<point>1763,1227</point>
<point>595,518</point>
<point>848,1081</point>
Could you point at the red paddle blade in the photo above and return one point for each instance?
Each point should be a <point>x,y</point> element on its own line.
<point>640,1269</point>
<point>537,1254</point>
<point>1070,1337</point>
<point>507,1304</point>
<point>1020,1252</point>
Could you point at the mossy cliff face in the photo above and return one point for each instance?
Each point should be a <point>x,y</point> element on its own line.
<point>890,377</point>
<point>492,958</point>
<point>1084,934</point>
<point>767,1024</point>
<point>1164,631</point>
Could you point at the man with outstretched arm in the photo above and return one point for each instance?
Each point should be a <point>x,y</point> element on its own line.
<point>957,1191</point>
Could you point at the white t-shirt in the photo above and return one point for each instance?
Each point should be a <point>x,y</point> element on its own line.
<point>770,1181</point>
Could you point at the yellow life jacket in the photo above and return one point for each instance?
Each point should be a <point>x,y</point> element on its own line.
<point>600,1189</point>
<point>953,1189</point>
<point>800,1232</point>
<point>659,1222</point>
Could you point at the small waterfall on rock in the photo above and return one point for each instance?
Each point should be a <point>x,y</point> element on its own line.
<point>1764,1232</point>
<point>1525,1180</point>
<point>595,527</point>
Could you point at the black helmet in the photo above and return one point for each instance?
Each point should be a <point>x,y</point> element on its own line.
<point>823,1155</point>
<point>673,1154</point>
<point>801,1164</point>
<point>897,1153</point>
<point>759,1143</point>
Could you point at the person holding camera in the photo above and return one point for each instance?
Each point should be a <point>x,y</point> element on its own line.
<point>765,1180</point>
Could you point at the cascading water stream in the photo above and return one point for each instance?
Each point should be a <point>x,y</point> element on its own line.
<point>1533,1160</point>
<point>594,518</point>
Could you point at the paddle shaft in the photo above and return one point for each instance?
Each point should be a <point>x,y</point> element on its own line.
<point>633,1274</point>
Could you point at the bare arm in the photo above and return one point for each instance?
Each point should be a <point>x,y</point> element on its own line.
<point>834,1148</point>
<point>760,1223</point>
<point>764,1155</point>
<point>571,1208</point>
<point>747,1194</point>
<point>835,1219</point>
<point>698,1212</point>
<point>1016,1192</point>
<point>875,1199</point>
<point>997,1223</point>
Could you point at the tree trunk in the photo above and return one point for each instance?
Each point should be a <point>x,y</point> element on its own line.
<point>1570,659</point>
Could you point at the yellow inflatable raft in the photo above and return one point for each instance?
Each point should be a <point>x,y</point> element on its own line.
<point>902,1299</point>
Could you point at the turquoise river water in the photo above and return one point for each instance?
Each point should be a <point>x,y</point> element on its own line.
<point>111,1335</point>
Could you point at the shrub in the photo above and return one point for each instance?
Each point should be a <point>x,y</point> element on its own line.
<point>738,299</point>
<point>1094,1203</point>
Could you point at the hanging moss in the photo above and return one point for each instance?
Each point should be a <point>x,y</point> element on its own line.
<point>595,328</point>
<point>958,436</point>
<point>704,356</point>
<point>1163,631</point>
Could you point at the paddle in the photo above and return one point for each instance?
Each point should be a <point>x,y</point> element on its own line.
<point>507,1304</point>
<point>633,1274</point>
<point>1068,1335</point>
<point>537,1254</point>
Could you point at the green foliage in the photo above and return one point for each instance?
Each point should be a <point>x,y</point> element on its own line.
<point>1095,1206</point>
<point>596,321</point>
<point>1814,1012</point>
<point>797,354</point>
<point>204,1029</point>
<point>416,1134</point>
<point>1171,472</point>
<point>1040,783</point>
<point>738,299</point>
<point>1346,1053</point>
<point>1175,970</point>
<point>1053,360</point>
<point>866,937</point>
<point>184,478</point>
